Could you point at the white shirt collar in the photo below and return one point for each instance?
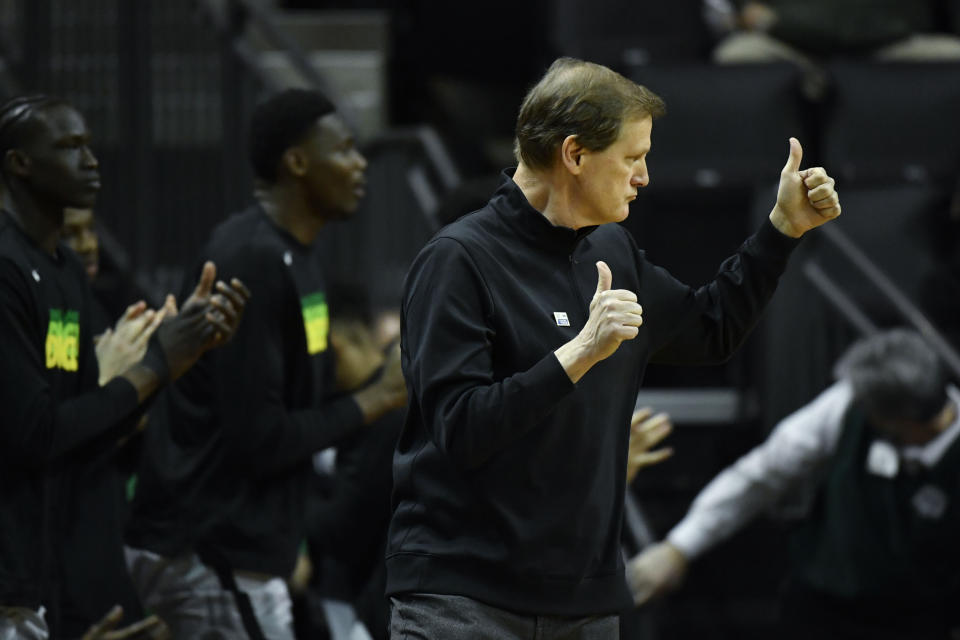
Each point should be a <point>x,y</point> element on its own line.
<point>930,453</point>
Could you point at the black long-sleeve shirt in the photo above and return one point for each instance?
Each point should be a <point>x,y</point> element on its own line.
<point>227,457</point>
<point>509,479</point>
<point>58,432</point>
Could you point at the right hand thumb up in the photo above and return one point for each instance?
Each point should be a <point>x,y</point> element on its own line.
<point>794,158</point>
<point>604,278</point>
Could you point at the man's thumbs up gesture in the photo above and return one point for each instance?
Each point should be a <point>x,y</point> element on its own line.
<point>805,199</point>
<point>614,317</point>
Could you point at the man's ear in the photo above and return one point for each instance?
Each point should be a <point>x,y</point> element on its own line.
<point>295,161</point>
<point>571,152</point>
<point>16,162</point>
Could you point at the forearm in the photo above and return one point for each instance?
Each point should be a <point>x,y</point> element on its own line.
<point>275,439</point>
<point>475,422</point>
<point>791,457</point>
<point>715,319</point>
<point>575,358</point>
<point>724,507</point>
<point>83,419</point>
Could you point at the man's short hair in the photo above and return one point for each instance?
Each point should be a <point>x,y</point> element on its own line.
<point>18,119</point>
<point>578,98</point>
<point>279,123</point>
<point>895,374</point>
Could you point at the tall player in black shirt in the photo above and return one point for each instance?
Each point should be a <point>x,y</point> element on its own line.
<point>58,426</point>
<point>218,519</point>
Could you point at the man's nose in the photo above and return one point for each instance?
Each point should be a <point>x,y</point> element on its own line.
<point>640,179</point>
<point>90,160</point>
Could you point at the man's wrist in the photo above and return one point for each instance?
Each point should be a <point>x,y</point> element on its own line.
<point>155,359</point>
<point>144,379</point>
<point>687,541</point>
<point>782,223</point>
<point>575,358</point>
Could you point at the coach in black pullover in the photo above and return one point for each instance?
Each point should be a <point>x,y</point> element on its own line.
<point>527,326</point>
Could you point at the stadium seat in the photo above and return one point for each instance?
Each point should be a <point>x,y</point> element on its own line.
<point>725,126</point>
<point>893,122</point>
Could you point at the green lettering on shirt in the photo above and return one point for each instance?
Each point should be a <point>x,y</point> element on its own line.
<point>63,340</point>
<point>316,321</point>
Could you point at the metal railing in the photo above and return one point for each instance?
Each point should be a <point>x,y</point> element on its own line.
<point>233,19</point>
<point>237,20</point>
<point>890,291</point>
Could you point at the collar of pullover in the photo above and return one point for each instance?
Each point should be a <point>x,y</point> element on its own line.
<point>513,206</point>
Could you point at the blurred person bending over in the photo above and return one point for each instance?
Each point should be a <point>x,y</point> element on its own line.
<point>527,326</point>
<point>878,455</point>
<point>220,505</point>
<point>60,539</point>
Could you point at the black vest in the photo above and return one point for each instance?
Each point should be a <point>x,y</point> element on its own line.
<point>889,544</point>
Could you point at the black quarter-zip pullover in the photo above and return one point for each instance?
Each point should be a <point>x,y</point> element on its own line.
<point>510,479</point>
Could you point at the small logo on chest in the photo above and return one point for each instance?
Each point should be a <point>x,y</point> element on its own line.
<point>561,318</point>
<point>930,502</point>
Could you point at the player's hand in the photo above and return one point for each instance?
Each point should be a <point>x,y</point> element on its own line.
<point>206,320</point>
<point>151,628</point>
<point>122,346</point>
<point>656,570</point>
<point>646,432</point>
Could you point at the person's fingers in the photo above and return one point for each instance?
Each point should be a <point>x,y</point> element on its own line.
<point>815,176</point>
<point>238,285</point>
<point>218,322</point>
<point>629,318</point>
<point>829,202</point>
<point>657,421</point>
<point>640,415</point>
<point>235,296</point>
<point>136,326</point>
<point>140,629</point>
<point>831,212</point>
<point>225,310</point>
<point>621,297</point>
<point>205,284</point>
<point>652,424</point>
<point>604,278</point>
<point>793,160</point>
<point>134,310</point>
<point>655,430</point>
<point>170,305</point>
<point>150,327</point>
<point>107,622</point>
<point>641,587</point>
<point>648,458</point>
<point>823,193</point>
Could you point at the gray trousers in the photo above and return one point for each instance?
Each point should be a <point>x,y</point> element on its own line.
<point>189,598</point>
<point>422,616</point>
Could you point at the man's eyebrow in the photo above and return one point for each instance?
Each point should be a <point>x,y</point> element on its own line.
<point>73,137</point>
